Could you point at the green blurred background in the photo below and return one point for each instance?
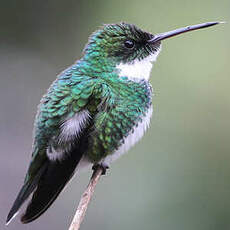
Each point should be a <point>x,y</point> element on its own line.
<point>178,176</point>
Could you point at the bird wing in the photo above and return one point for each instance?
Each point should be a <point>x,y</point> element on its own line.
<point>67,97</point>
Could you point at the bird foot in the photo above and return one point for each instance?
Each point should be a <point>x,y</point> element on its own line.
<point>103,166</point>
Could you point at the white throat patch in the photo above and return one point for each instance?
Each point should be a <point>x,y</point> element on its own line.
<point>138,69</point>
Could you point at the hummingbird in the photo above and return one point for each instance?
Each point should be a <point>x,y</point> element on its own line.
<point>93,112</point>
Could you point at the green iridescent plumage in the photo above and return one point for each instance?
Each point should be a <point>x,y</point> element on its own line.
<point>122,104</point>
<point>124,108</point>
<point>94,112</point>
<point>88,112</point>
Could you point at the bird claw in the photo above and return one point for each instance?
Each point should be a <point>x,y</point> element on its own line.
<point>103,166</point>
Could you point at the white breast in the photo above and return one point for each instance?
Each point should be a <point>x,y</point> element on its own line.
<point>132,138</point>
<point>138,69</point>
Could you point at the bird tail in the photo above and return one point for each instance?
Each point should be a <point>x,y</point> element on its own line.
<point>48,183</point>
<point>24,193</point>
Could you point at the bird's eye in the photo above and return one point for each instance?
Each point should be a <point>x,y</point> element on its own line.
<point>129,44</point>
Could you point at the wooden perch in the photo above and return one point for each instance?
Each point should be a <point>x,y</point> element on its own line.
<point>85,199</point>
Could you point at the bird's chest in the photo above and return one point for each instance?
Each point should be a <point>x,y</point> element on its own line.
<point>132,137</point>
<point>124,122</point>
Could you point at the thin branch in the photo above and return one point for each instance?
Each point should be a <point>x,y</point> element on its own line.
<point>85,199</point>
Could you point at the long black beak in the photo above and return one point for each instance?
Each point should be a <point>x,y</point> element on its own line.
<point>162,36</point>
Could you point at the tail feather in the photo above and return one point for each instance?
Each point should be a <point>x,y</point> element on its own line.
<point>24,193</point>
<point>51,183</point>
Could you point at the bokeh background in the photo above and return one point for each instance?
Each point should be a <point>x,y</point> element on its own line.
<point>178,176</point>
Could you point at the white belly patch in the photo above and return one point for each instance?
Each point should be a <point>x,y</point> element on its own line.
<point>132,138</point>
